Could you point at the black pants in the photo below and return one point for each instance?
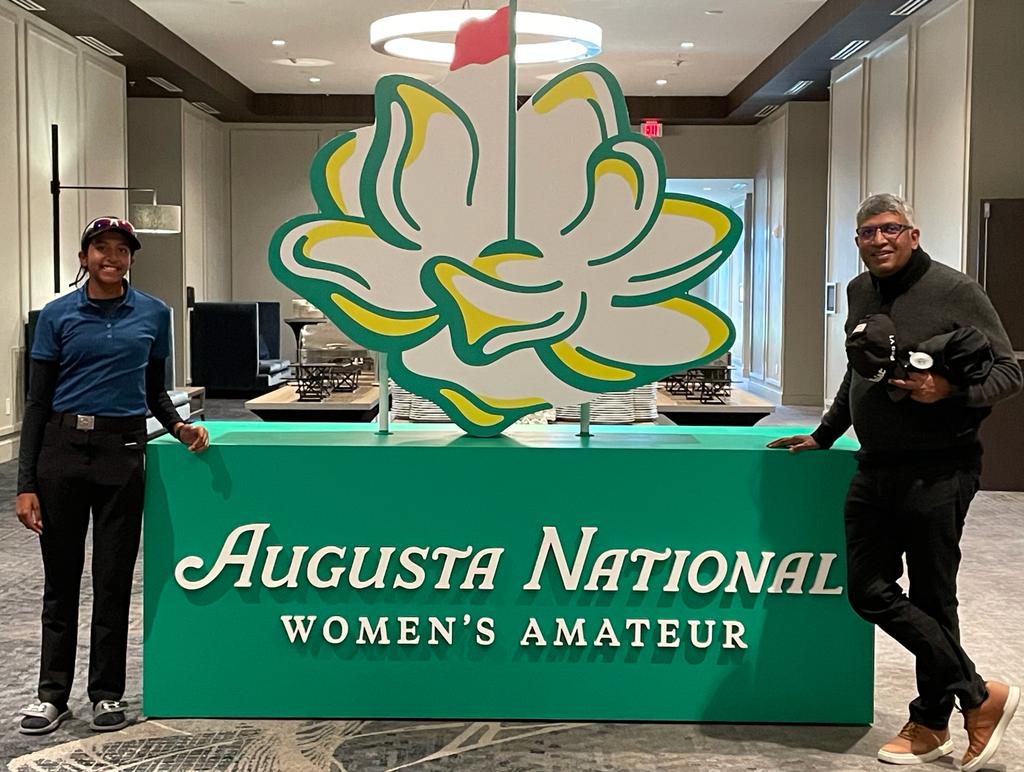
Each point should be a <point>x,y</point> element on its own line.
<point>892,512</point>
<point>78,472</point>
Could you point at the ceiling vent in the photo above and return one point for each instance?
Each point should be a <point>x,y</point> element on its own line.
<point>797,87</point>
<point>765,111</point>
<point>909,7</point>
<point>28,5</point>
<point>98,45</point>
<point>210,109</point>
<point>166,85</point>
<point>849,50</point>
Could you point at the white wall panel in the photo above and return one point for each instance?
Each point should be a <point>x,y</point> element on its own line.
<point>51,97</point>
<point>758,291</point>
<point>844,194</point>
<point>10,211</point>
<point>940,135</point>
<point>217,246</point>
<point>269,184</point>
<point>887,113</point>
<point>194,225</point>
<point>103,137</point>
<point>777,132</point>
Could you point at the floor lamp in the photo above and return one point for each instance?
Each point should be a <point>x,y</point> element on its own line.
<point>147,218</point>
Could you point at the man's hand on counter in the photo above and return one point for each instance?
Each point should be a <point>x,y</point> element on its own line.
<point>796,443</point>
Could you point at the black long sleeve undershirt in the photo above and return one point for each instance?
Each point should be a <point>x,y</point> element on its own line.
<point>39,405</point>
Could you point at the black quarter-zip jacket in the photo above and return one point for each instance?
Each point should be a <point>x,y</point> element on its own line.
<point>923,299</point>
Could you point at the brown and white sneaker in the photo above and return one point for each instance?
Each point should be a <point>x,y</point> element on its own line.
<point>986,724</point>
<point>916,744</point>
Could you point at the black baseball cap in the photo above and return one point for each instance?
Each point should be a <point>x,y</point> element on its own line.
<point>104,224</point>
<point>872,349</point>
<point>963,356</point>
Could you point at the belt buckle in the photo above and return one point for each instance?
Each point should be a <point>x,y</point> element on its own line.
<point>85,422</point>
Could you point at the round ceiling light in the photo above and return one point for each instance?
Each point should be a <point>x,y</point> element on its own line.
<point>301,62</point>
<point>414,36</point>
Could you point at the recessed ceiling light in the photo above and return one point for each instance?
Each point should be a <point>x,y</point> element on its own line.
<point>278,42</point>
<point>909,7</point>
<point>739,186</point>
<point>293,61</point>
<point>99,45</point>
<point>765,111</point>
<point>849,50</point>
<point>660,82</point>
<point>707,189</point>
<point>797,87</point>
<point>314,79</point>
<point>687,44</point>
<point>165,84</point>
<point>714,12</point>
<point>28,5</point>
<point>207,108</point>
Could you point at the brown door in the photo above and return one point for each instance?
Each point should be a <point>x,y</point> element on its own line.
<point>1001,272</point>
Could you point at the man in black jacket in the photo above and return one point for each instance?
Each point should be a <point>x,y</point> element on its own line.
<point>919,467</point>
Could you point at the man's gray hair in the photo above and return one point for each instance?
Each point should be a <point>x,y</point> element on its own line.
<point>882,203</point>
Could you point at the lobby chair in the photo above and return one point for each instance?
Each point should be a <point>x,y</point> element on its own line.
<point>236,347</point>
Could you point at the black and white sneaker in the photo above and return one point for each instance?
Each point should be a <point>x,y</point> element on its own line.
<point>42,718</point>
<point>108,716</point>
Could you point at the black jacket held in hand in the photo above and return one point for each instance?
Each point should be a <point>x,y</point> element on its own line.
<point>924,299</point>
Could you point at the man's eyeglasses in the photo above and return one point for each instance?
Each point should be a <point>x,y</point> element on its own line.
<point>891,230</point>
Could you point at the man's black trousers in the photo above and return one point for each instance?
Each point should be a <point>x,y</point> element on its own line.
<point>101,471</point>
<point>892,512</point>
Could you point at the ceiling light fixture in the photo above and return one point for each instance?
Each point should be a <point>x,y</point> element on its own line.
<point>909,7</point>
<point>707,188</point>
<point>714,12</point>
<point>660,82</point>
<point>207,108</point>
<point>278,42</point>
<point>314,79</point>
<point>165,84</point>
<point>739,186</point>
<point>849,50</point>
<point>413,36</point>
<point>765,111</point>
<point>687,44</point>
<point>293,61</point>
<point>28,5</point>
<point>797,87</point>
<point>98,45</point>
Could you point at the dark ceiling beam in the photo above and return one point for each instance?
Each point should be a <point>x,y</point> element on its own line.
<point>818,25</point>
<point>150,49</point>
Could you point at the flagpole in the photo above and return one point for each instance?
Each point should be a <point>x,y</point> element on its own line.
<point>512,119</point>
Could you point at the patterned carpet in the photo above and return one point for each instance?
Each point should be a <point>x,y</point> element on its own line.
<point>992,589</point>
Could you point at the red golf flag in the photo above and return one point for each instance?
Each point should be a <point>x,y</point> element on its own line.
<point>480,41</point>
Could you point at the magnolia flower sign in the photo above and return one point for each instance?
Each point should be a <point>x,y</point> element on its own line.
<point>508,260</point>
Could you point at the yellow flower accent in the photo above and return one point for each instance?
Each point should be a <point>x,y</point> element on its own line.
<point>468,409</point>
<point>421,105</point>
<point>489,264</point>
<point>333,171</point>
<point>478,322</point>
<point>333,230</point>
<point>696,211</point>
<point>587,366</point>
<point>718,331</point>
<point>378,323</point>
<point>622,169</point>
<point>575,87</point>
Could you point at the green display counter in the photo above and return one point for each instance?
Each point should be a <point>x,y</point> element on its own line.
<point>658,573</point>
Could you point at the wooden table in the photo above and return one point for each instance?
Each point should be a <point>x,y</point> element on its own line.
<point>740,408</point>
<point>359,406</point>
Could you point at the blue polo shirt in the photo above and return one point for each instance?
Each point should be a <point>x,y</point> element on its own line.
<point>102,357</point>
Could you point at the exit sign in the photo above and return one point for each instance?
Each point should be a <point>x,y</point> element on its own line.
<point>650,127</point>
